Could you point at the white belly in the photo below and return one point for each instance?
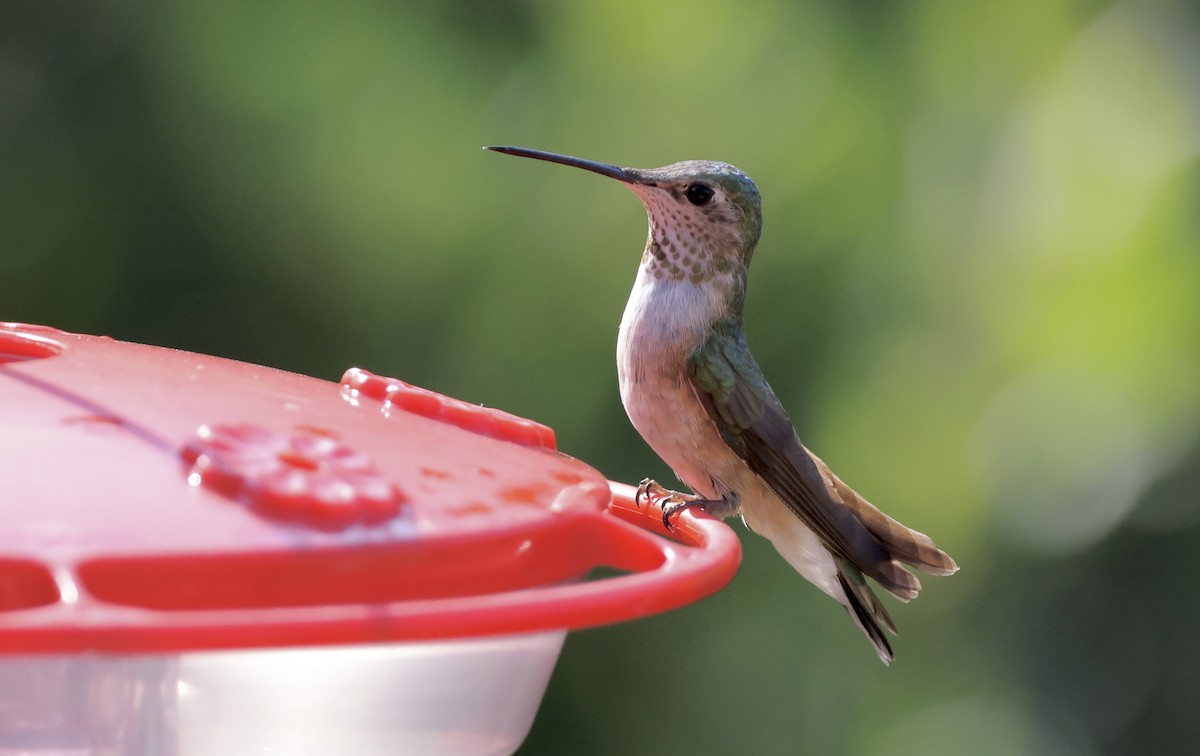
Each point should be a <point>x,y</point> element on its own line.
<point>672,420</point>
<point>675,425</point>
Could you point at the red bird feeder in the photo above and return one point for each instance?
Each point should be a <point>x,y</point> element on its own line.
<point>206,556</point>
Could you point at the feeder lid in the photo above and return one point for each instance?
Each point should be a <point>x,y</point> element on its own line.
<point>160,500</point>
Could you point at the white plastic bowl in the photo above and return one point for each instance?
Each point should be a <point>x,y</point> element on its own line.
<point>448,698</point>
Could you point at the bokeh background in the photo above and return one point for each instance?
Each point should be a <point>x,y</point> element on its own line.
<point>978,292</point>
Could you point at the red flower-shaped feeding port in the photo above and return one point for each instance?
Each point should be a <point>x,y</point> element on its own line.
<point>305,474</point>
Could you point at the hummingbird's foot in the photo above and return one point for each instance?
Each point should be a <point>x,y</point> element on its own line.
<point>649,491</point>
<point>676,504</point>
<point>672,502</point>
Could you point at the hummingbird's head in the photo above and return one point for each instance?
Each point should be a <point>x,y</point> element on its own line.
<point>705,217</point>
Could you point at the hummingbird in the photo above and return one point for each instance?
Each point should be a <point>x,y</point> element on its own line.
<point>695,393</point>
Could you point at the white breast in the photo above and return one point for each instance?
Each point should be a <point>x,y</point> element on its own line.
<point>664,321</point>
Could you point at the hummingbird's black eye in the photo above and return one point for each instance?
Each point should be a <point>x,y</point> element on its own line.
<point>698,194</point>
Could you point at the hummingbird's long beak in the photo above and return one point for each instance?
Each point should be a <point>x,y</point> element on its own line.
<point>628,175</point>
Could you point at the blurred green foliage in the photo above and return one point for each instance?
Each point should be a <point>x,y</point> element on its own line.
<point>978,292</point>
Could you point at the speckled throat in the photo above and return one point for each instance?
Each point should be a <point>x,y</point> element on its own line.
<point>684,242</point>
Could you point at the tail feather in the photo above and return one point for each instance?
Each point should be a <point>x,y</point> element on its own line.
<point>896,580</point>
<point>866,610</point>
<point>906,545</point>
